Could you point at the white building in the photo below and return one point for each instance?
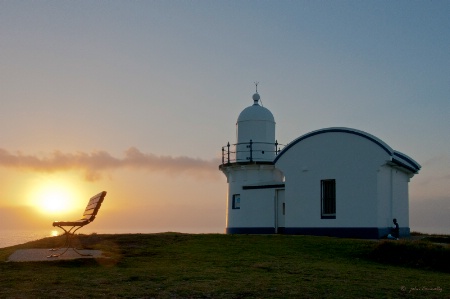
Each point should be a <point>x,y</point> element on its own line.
<point>333,181</point>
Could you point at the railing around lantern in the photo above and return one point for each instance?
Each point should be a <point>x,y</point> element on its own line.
<point>249,151</point>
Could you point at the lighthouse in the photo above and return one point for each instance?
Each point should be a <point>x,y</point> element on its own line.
<point>251,174</point>
<point>335,181</point>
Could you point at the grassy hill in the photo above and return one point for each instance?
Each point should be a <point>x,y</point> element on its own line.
<point>173,265</point>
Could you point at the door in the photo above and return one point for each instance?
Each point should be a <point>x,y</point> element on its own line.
<point>280,211</point>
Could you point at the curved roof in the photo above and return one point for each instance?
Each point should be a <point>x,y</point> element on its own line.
<point>256,112</point>
<point>397,158</point>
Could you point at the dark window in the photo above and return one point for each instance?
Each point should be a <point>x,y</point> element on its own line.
<point>328,192</point>
<point>236,201</point>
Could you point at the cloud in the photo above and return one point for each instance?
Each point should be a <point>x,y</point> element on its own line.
<point>98,162</point>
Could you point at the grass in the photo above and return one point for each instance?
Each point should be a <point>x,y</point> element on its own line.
<point>173,265</point>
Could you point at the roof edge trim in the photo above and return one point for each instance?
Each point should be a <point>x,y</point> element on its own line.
<point>363,134</point>
<point>404,165</point>
<point>398,156</point>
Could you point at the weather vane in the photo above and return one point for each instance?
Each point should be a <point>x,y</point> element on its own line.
<point>256,84</point>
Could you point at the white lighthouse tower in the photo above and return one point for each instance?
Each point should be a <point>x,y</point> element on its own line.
<point>252,177</point>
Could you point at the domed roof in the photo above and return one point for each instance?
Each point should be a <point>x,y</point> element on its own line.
<point>256,112</point>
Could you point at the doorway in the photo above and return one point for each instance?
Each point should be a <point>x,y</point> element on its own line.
<point>280,211</point>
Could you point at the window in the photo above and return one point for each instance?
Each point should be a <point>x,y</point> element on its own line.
<point>328,193</point>
<point>236,201</point>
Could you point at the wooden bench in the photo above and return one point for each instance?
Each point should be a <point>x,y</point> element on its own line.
<point>88,216</point>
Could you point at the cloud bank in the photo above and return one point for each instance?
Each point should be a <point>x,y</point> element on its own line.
<point>98,162</point>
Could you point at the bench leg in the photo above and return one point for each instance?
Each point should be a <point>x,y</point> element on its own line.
<point>66,245</point>
<point>68,242</point>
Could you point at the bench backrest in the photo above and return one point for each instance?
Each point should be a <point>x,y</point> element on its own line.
<point>93,206</point>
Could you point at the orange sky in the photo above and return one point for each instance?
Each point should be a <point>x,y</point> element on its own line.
<point>163,196</point>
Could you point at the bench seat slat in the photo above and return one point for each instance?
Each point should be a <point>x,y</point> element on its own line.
<point>90,212</point>
<point>94,200</point>
<point>80,222</point>
<point>93,206</point>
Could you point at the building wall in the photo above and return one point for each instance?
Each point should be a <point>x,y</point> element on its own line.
<point>371,188</point>
<point>351,160</point>
<point>257,209</point>
<point>400,209</point>
<point>256,205</point>
<point>384,197</point>
<point>393,199</point>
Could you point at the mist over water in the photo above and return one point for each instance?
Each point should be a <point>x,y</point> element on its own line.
<point>431,230</point>
<point>15,237</point>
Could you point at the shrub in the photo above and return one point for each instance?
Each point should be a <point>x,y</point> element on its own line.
<point>416,254</point>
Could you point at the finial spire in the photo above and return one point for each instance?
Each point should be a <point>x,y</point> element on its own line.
<point>256,96</point>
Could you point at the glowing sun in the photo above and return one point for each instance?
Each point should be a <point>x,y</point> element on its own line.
<point>53,196</point>
<point>54,200</point>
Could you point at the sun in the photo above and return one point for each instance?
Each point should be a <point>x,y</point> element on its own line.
<point>53,196</point>
<point>54,199</point>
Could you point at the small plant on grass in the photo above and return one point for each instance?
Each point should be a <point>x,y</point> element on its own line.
<point>416,254</point>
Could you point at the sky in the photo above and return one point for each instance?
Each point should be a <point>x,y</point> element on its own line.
<point>138,97</point>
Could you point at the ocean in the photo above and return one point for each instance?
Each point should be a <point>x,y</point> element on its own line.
<point>15,237</point>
